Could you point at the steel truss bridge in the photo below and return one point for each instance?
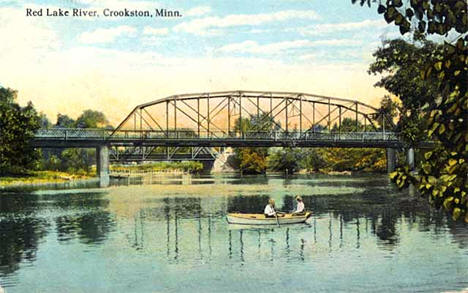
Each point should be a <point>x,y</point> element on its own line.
<point>179,145</point>
<point>198,126</point>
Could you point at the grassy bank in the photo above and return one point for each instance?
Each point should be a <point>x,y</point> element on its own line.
<point>190,167</point>
<point>37,177</point>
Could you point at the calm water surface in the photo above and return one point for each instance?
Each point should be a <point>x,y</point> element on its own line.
<point>170,235</point>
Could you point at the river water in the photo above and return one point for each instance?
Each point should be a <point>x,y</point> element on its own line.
<point>170,235</point>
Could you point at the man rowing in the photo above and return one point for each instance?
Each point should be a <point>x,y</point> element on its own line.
<point>270,211</point>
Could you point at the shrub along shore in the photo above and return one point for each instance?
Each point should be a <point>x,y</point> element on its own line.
<point>39,177</point>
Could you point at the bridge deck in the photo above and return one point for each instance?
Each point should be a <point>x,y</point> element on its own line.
<point>69,138</point>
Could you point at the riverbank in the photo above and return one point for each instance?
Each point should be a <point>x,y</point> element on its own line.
<point>42,177</point>
<point>37,178</point>
<point>163,167</point>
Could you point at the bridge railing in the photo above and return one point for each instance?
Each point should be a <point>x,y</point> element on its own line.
<point>72,133</point>
<point>103,134</point>
<point>255,135</point>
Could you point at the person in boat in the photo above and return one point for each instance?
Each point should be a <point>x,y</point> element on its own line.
<point>300,207</point>
<point>270,211</point>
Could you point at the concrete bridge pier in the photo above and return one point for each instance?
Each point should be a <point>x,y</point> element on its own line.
<point>102,165</point>
<point>391,160</point>
<point>410,158</point>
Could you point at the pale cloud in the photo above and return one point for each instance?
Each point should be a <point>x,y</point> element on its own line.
<point>272,48</point>
<point>155,31</point>
<point>307,57</point>
<point>30,38</point>
<point>259,31</point>
<point>326,28</point>
<point>209,25</point>
<point>107,35</point>
<point>198,11</point>
<point>114,81</point>
<point>343,54</point>
<point>254,47</point>
<point>337,42</point>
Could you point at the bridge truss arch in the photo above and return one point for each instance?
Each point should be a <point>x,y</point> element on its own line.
<point>214,114</point>
<point>211,117</point>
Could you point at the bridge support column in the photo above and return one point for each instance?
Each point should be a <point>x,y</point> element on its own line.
<point>391,160</point>
<point>102,165</point>
<point>410,158</point>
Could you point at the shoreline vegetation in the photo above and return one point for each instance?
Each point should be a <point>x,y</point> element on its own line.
<point>48,176</point>
<point>163,167</point>
<point>41,177</point>
<point>33,178</point>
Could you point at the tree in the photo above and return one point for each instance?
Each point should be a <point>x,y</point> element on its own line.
<point>44,122</point>
<point>285,159</point>
<point>313,160</point>
<point>253,160</point>
<point>386,113</point>
<point>442,174</point>
<point>400,63</point>
<point>17,127</point>
<point>63,121</point>
<point>80,160</point>
<point>349,125</point>
<point>353,159</point>
<point>75,159</point>
<point>91,119</point>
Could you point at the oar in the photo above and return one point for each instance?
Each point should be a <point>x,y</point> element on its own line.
<point>277,221</point>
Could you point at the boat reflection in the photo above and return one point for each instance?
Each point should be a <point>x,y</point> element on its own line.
<point>267,227</point>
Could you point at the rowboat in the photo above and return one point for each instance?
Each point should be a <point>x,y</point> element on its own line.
<point>261,219</point>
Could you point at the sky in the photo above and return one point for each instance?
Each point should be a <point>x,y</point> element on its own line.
<point>111,64</point>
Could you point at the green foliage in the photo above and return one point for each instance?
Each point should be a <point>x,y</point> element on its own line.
<point>328,159</point>
<point>186,166</point>
<point>74,160</point>
<point>400,63</point>
<point>17,127</point>
<point>91,119</point>
<point>44,122</point>
<point>285,159</point>
<point>64,121</point>
<point>350,125</point>
<point>35,177</point>
<point>442,69</point>
<point>351,159</point>
<point>312,160</point>
<point>387,111</point>
<point>253,160</point>
<point>77,160</point>
<point>87,119</point>
<point>257,160</point>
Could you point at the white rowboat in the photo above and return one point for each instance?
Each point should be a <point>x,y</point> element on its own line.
<point>261,219</point>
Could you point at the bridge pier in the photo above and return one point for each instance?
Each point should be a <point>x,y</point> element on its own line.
<point>102,165</point>
<point>391,160</point>
<point>410,158</point>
